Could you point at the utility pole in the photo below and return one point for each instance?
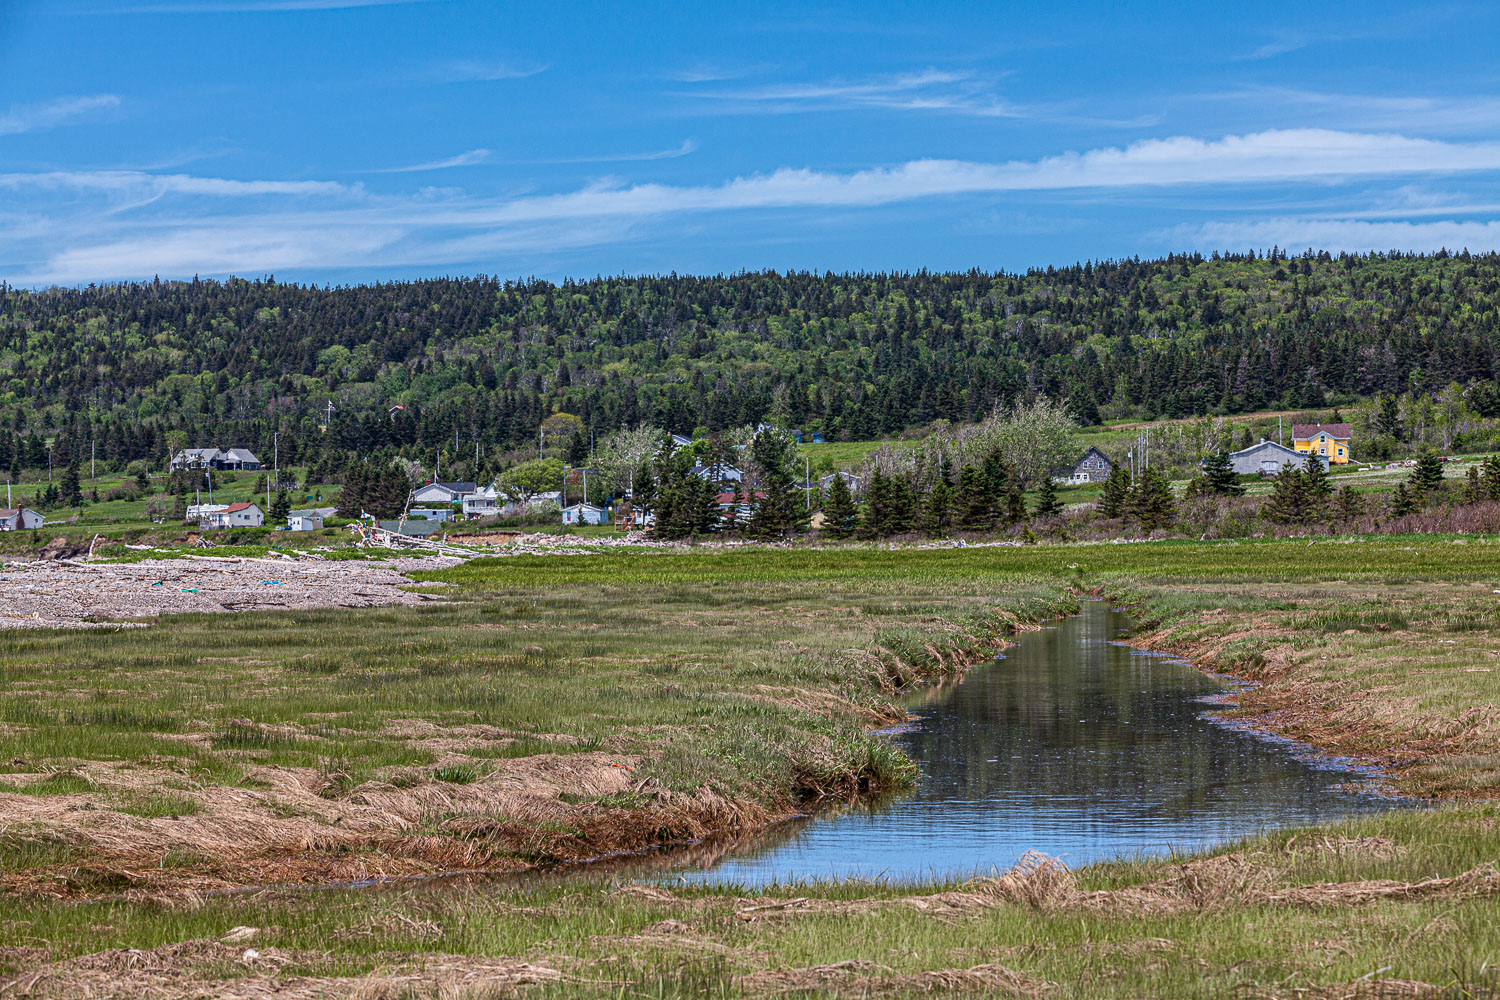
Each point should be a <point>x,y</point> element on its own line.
<point>49,464</point>
<point>91,460</point>
<point>807,479</point>
<point>209,475</point>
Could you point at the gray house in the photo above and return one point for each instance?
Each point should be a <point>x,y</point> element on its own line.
<point>1267,459</point>
<point>1093,467</point>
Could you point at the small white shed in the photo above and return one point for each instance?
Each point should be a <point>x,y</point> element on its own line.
<point>584,513</point>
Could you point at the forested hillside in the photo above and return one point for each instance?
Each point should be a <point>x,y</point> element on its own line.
<point>139,368</point>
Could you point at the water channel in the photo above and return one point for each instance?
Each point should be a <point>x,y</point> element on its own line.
<point>1072,744</point>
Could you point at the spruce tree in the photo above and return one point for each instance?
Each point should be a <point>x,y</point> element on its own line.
<point>1349,505</point>
<point>903,507</point>
<point>1219,476</point>
<point>71,493</point>
<point>1289,499</point>
<point>1492,477</point>
<point>142,483</point>
<point>1046,503</point>
<point>1428,475</point>
<point>1015,500</point>
<point>1473,486</point>
<point>280,507</point>
<point>838,510</point>
<point>937,511</point>
<point>1317,488</point>
<point>1402,502</point>
<point>776,514</point>
<point>971,502</point>
<point>1152,503</point>
<point>874,515</point>
<point>1116,493</point>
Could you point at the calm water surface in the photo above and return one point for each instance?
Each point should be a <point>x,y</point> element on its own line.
<point>1073,745</point>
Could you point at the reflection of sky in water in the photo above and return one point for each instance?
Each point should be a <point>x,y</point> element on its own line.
<point>1071,745</point>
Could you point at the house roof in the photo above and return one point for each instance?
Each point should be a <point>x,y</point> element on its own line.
<point>240,455</point>
<point>728,498</point>
<point>452,487</point>
<point>576,506</point>
<point>12,511</point>
<point>197,453</point>
<point>1266,444</point>
<point>1092,450</point>
<point>232,508</point>
<point>1301,432</point>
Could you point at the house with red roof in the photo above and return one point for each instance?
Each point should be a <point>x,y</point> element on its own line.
<point>1329,440</point>
<point>236,515</point>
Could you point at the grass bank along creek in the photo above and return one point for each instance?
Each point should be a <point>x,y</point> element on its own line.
<point>563,707</point>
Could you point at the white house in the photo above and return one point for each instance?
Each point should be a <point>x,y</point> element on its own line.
<point>432,513</point>
<point>19,519</point>
<point>584,513</point>
<point>304,522</point>
<point>236,515</point>
<point>442,492</point>
<point>194,458</point>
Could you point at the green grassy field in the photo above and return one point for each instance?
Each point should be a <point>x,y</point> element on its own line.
<point>562,707</point>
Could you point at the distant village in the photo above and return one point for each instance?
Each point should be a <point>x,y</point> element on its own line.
<point>437,503</point>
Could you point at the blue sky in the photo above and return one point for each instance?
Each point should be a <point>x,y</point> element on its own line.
<point>342,141</point>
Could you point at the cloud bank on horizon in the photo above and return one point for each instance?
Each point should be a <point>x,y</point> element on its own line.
<point>573,159</point>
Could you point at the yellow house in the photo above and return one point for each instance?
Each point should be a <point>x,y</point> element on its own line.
<point>1330,440</point>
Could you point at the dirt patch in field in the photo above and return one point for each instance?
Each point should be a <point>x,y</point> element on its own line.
<point>858,978</point>
<point>75,594</point>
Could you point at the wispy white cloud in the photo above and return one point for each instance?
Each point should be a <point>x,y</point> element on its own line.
<point>349,227</point>
<point>138,182</point>
<point>1395,111</point>
<point>1336,234</point>
<point>927,90</point>
<point>482,71</point>
<point>686,148</point>
<point>29,118</point>
<point>468,159</point>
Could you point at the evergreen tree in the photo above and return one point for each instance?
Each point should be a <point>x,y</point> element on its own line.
<point>142,483</point>
<point>71,493</point>
<point>880,515</point>
<point>1474,491</point>
<point>1152,502</point>
<point>1317,484</point>
<point>1289,500</point>
<point>937,510</point>
<point>1046,503</point>
<point>1015,500</point>
<point>1428,475</point>
<point>1388,417</point>
<point>1492,478</point>
<point>280,507</point>
<point>1117,491</point>
<point>971,502</point>
<point>1219,476</point>
<point>777,514</point>
<point>1348,506</point>
<point>838,510</point>
<point>1402,502</point>
<point>903,508</point>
